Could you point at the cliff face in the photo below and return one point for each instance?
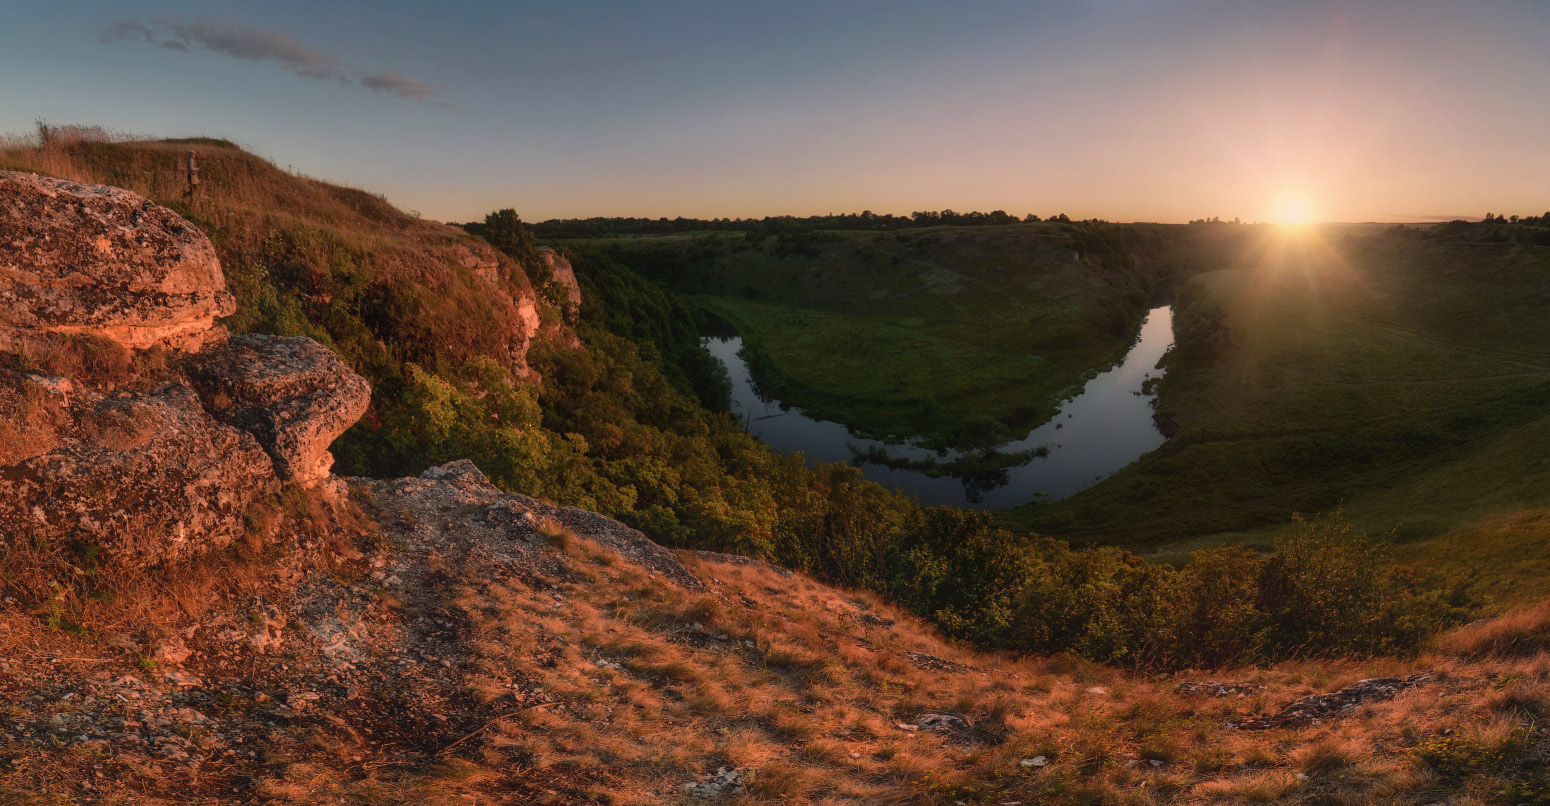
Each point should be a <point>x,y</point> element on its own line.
<point>564,274</point>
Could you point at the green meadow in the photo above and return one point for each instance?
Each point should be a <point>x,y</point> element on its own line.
<point>1400,376</point>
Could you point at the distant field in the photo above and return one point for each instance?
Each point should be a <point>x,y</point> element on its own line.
<point>962,334</point>
<point>1407,379</point>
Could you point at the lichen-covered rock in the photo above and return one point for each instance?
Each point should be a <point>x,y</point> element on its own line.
<point>293,394</point>
<point>500,521</point>
<point>103,261</point>
<point>148,476</point>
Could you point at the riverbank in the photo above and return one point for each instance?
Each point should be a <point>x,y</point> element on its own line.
<point>1103,428</point>
<point>964,336</point>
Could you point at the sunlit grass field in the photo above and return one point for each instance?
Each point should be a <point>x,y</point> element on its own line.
<point>1404,379</point>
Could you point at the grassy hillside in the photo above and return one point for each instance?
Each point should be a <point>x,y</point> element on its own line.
<point>305,257</point>
<point>433,318</point>
<point>964,334</point>
<point>1401,374</point>
<point>451,654</point>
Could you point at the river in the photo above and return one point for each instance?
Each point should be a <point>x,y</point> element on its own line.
<point>1105,427</point>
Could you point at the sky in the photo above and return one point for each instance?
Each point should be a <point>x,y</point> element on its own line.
<point>1128,110</point>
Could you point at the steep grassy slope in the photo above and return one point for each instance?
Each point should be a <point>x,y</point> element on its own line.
<point>1405,376</point>
<point>309,258</point>
<point>964,334</point>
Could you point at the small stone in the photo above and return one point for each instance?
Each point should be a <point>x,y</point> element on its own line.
<point>173,652</point>
<point>1036,761</point>
<point>942,722</point>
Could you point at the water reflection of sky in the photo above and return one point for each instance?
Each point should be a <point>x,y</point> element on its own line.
<point>1107,426</point>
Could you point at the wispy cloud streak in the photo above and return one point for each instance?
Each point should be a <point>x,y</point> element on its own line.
<point>264,45</point>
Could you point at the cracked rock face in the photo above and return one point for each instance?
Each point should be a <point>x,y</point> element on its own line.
<point>293,394</point>
<point>148,476</point>
<point>564,274</point>
<point>103,261</point>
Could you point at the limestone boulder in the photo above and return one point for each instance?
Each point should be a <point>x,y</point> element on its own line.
<point>102,261</point>
<point>147,476</point>
<point>293,394</point>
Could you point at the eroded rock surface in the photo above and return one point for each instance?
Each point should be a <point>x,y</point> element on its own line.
<point>1317,708</point>
<point>501,516</point>
<point>103,261</point>
<point>293,394</point>
<point>486,265</point>
<point>563,273</point>
<point>147,476</point>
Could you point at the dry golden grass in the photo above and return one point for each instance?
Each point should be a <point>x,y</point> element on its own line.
<point>784,676</point>
<point>33,430</point>
<point>647,687</point>
<point>1521,634</point>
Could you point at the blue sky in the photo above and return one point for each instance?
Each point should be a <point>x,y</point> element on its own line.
<point>1124,109</point>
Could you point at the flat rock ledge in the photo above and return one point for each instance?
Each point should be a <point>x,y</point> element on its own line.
<point>507,522</point>
<point>93,260</point>
<point>293,394</point>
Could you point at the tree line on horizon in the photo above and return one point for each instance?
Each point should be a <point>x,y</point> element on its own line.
<point>604,226</point>
<point>1539,221</point>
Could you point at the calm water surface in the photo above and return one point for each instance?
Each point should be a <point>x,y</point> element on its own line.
<point>1102,429</point>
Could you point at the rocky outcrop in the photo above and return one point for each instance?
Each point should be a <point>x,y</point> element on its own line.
<point>293,394</point>
<point>150,473</point>
<point>498,516</point>
<point>147,476</point>
<point>102,261</point>
<point>500,277</point>
<point>560,268</point>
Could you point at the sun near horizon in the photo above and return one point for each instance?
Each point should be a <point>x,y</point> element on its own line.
<point>1294,212</point>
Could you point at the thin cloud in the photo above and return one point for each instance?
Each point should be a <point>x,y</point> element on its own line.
<point>395,84</point>
<point>264,45</point>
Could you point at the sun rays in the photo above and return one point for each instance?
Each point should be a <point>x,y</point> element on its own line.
<point>1300,265</point>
